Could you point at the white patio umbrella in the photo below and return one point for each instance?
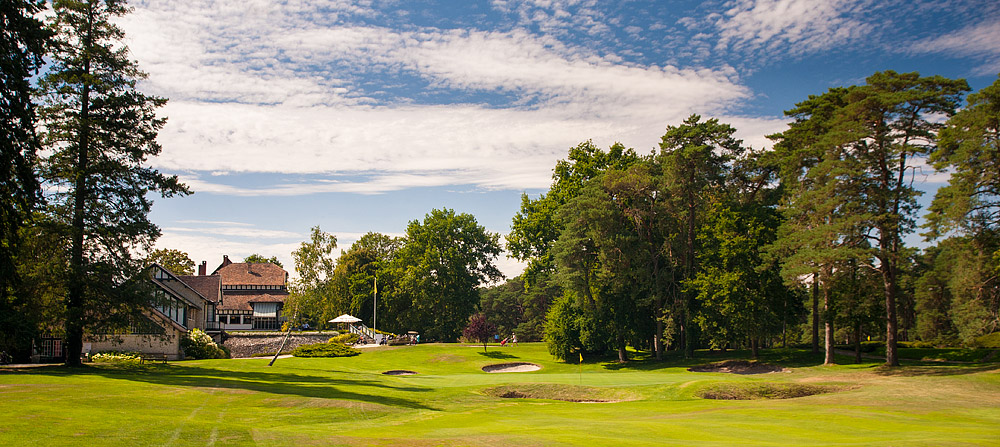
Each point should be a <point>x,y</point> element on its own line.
<point>345,319</point>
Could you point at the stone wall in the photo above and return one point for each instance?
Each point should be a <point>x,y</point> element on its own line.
<point>246,345</point>
<point>166,345</point>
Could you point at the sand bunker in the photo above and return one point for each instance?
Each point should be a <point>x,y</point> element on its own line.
<point>511,367</point>
<point>738,367</point>
<point>399,372</point>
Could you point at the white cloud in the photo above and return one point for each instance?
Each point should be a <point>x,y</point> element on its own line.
<point>255,88</point>
<point>979,40</point>
<point>211,243</point>
<point>753,131</point>
<point>556,16</point>
<point>206,247</point>
<point>238,231</point>
<point>791,26</point>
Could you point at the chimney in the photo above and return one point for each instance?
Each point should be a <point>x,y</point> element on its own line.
<point>203,268</point>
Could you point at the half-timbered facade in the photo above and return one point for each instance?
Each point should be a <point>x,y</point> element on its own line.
<point>253,295</point>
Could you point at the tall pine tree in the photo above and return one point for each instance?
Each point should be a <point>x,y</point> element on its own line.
<point>22,42</point>
<point>100,131</point>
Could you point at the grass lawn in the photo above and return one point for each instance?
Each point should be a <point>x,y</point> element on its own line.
<point>451,402</point>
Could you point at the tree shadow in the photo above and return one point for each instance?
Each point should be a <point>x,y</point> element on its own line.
<point>646,361</point>
<point>498,355</point>
<point>926,369</point>
<point>286,383</point>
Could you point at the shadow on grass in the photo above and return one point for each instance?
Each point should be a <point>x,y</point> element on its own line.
<point>259,381</point>
<point>646,361</point>
<point>925,369</point>
<point>498,355</point>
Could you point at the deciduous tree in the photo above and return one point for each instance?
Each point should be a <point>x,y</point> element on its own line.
<point>359,270</point>
<point>174,260</point>
<point>257,258</point>
<point>739,290</point>
<point>442,262</point>
<point>314,266</point>
<point>479,330</point>
<point>536,227</point>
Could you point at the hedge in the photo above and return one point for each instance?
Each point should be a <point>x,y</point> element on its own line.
<point>325,350</point>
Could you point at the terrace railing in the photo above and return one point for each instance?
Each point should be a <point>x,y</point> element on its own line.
<point>364,331</point>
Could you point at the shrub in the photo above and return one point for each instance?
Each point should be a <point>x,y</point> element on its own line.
<point>116,357</point>
<point>199,345</point>
<point>988,341</point>
<point>345,339</point>
<point>325,350</point>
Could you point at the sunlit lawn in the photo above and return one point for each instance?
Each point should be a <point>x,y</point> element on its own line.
<point>347,401</point>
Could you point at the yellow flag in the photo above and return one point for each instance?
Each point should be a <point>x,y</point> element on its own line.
<point>581,357</point>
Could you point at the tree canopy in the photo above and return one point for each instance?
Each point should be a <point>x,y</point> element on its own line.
<point>257,258</point>
<point>22,39</point>
<point>443,261</point>
<point>174,260</point>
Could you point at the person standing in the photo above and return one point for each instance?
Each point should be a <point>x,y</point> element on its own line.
<point>513,339</point>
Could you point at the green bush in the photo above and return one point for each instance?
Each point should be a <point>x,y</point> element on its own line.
<point>118,358</point>
<point>988,341</point>
<point>199,345</point>
<point>345,339</point>
<point>946,354</point>
<point>325,350</point>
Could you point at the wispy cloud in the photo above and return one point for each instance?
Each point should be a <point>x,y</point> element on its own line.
<point>557,17</point>
<point>980,40</point>
<point>256,88</point>
<point>240,231</point>
<point>211,248</point>
<point>795,27</point>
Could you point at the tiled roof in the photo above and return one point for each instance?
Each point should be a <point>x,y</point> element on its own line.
<point>241,301</point>
<point>262,274</point>
<point>208,286</point>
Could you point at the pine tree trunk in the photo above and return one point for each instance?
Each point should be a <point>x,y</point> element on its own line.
<point>828,322</point>
<point>857,343</point>
<point>815,314</point>
<point>889,275</point>
<point>75,295</point>
<point>689,344</point>
<point>658,341</point>
<point>658,336</point>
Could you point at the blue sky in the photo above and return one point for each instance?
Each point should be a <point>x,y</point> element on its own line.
<point>361,116</point>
